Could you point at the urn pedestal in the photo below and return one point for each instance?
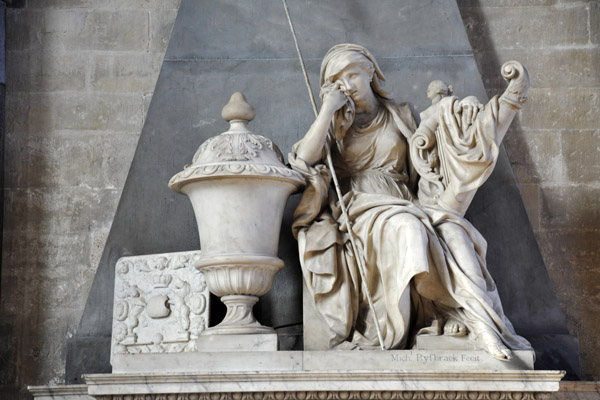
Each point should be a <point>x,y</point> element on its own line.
<point>238,186</point>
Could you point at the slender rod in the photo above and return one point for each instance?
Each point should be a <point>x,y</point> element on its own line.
<point>357,255</point>
<point>301,59</point>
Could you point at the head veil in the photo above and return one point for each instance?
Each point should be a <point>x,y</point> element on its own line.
<point>342,55</point>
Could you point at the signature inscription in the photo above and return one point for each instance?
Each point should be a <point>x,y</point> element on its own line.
<point>426,358</point>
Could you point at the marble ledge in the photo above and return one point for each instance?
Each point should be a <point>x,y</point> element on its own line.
<point>393,360</point>
<point>60,392</point>
<point>334,381</point>
<point>568,390</point>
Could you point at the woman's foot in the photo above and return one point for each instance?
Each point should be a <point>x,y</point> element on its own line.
<point>453,327</point>
<point>346,345</point>
<point>493,345</point>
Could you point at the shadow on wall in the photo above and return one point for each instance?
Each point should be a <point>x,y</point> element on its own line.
<point>526,160</point>
<point>41,223</point>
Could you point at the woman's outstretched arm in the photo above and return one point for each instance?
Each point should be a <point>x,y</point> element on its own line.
<point>513,97</point>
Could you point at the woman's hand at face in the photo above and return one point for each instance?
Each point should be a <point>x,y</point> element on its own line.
<point>333,96</point>
<point>310,148</point>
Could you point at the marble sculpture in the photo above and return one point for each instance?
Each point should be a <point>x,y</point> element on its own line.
<point>238,186</point>
<point>407,181</point>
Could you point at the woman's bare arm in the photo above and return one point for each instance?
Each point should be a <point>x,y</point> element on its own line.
<point>310,147</point>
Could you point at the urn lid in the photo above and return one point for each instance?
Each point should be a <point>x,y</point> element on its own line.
<point>237,152</point>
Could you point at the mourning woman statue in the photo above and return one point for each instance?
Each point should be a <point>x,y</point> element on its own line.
<point>406,187</point>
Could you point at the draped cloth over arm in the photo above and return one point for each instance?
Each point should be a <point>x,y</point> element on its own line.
<point>328,276</point>
<point>453,160</point>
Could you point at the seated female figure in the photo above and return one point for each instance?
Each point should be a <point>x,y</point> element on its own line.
<point>424,263</point>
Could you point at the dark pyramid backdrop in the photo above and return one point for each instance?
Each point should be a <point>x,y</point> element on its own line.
<point>219,47</point>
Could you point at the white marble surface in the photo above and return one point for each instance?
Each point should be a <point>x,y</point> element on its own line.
<point>415,360</point>
<point>293,381</point>
<point>314,361</point>
<point>444,342</point>
<point>224,343</point>
<point>205,362</point>
<point>60,392</point>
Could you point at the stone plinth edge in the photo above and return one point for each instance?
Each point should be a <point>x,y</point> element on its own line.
<point>60,392</point>
<point>338,385</point>
<point>344,395</point>
<point>343,385</point>
<point>282,361</point>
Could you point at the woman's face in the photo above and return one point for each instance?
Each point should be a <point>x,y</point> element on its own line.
<point>356,81</point>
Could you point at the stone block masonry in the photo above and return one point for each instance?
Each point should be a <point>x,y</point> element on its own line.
<point>554,148</point>
<point>81,75</point>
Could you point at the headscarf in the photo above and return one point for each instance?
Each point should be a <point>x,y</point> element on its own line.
<point>335,61</point>
<point>342,55</point>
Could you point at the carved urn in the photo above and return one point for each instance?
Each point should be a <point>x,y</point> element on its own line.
<point>238,186</point>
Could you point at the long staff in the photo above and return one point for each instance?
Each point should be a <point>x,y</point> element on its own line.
<point>357,255</point>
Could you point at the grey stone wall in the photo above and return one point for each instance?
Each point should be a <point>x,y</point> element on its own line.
<point>80,74</point>
<point>554,145</point>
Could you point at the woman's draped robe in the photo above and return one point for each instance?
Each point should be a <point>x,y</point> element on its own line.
<point>422,262</point>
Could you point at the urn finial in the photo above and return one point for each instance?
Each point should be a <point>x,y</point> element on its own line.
<point>236,152</point>
<point>238,108</point>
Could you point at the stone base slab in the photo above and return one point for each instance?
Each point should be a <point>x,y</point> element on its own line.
<point>321,375</point>
<point>301,385</point>
<point>569,390</point>
<point>442,342</point>
<point>60,392</point>
<point>350,360</point>
<point>254,342</point>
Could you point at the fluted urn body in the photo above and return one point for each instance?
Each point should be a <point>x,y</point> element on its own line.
<point>238,186</point>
